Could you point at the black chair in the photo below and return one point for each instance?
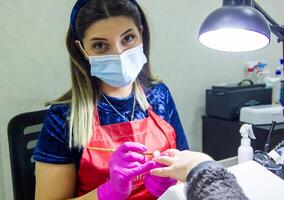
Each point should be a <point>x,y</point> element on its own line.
<point>23,132</point>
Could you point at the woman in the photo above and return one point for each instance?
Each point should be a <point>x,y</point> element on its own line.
<point>114,104</point>
<point>205,178</point>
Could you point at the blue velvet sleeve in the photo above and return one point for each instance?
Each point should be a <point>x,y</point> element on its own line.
<point>161,100</point>
<point>53,145</point>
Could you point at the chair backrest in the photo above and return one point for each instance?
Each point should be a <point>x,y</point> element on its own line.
<point>23,131</point>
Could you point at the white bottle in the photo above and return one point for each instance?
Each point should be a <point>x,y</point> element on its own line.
<point>275,84</point>
<point>245,151</point>
<point>276,89</point>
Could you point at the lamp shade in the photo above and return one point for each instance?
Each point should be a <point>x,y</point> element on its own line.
<point>235,28</point>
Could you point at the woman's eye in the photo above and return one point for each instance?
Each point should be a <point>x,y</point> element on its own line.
<point>99,46</point>
<point>128,38</point>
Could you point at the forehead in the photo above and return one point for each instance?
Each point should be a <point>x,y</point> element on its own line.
<point>113,26</point>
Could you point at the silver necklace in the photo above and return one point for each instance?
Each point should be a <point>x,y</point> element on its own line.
<point>132,115</point>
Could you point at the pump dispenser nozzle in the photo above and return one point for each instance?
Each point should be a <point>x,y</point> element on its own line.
<point>247,131</point>
<point>245,151</point>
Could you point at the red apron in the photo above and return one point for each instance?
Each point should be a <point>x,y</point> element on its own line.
<point>154,132</point>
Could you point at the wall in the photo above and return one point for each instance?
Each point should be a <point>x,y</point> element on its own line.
<point>34,65</point>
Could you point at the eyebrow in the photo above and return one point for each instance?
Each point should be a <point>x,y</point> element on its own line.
<point>97,38</point>
<point>125,32</point>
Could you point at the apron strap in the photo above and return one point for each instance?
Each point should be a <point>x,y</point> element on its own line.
<point>169,136</point>
<point>96,116</point>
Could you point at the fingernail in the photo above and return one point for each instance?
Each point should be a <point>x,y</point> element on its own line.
<point>165,154</point>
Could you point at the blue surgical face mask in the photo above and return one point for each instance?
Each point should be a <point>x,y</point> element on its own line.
<point>118,70</point>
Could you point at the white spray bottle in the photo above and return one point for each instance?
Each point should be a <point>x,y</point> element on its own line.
<point>245,151</point>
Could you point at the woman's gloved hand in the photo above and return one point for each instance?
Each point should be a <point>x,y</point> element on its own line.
<point>125,163</point>
<point>158,185</point>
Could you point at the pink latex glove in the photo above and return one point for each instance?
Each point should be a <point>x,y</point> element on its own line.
<point>125,163</point>
<point>158,185</point>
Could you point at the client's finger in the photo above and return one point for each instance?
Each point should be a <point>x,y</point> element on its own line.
<point>172,152</point>
<point>162,172</point>
<point>164,160</point>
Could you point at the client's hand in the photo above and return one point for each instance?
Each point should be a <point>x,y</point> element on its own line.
<point>179,163</point>
<point>125,163</point>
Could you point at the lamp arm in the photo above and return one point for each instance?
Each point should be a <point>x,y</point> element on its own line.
<point>266,15</point>
<point>276,29</point>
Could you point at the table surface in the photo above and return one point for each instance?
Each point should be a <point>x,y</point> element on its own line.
<point>256,181</point>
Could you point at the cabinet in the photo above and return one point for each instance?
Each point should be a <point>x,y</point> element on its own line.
<point>221,138</point>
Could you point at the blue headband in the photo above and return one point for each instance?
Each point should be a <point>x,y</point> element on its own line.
<point>79,4</point>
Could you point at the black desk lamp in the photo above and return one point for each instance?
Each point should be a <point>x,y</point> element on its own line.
<point>239,26</point>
